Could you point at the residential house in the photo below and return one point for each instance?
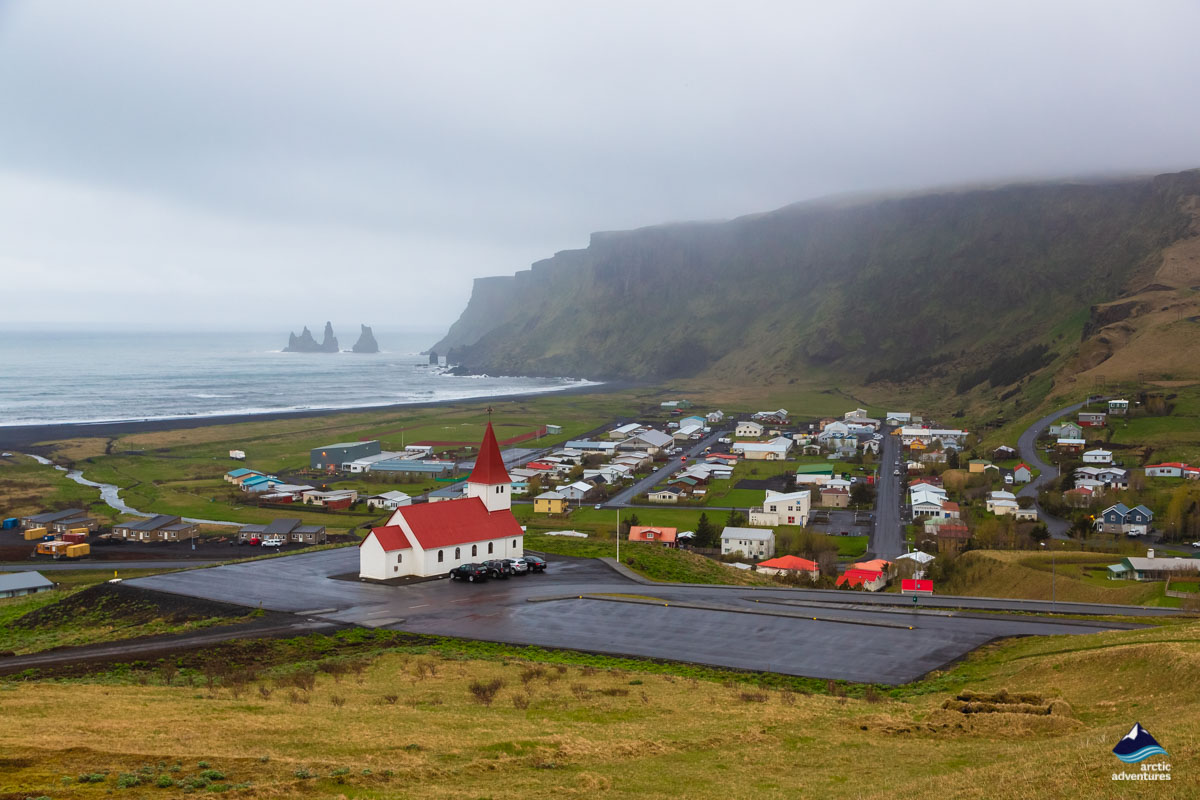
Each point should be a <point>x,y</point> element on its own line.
<point>333,499</point>
<point>777,417</point>
<point>714,417</point>
<point>159,528</point>
<point>898,417</point>
<point>748,429</point>
<point>757,543</point>
<point>926,504</point>
<point>689,431</point>
<point>1120,518</point>
<point>978,465</point>
<point>868,579</point>
<point>1118,407</point>
<point>1152,568</point>
<point>589,446</point>
<point>1097,457</point>
<point>952,538</point>
<point>433,538</point>
<point>835,497</point>
<point>645,533</point>
<point>1004,452</point>
<point>1022,473</point>
<point>1092,419</point>
<point>949,437</point>
<point>670,494</point>
<point>1002,503</point>
<point>576,492</point>
<point>258,483</point>
<point>389,501</point>
<point>1068,430</point>
<point>1173,469</point>
<point>790,565</point>
<point>1070,445</point>
<point>1115,477</point>
<point>455,491</point>
<point>1080,497</point>
<point>549,503</point>
<point>234,475</point>
<point>781,508</point>
<point>290,529</point>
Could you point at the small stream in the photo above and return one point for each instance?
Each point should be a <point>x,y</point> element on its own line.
<point>111,494</point>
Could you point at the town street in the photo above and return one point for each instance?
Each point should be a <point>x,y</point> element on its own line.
<point>887,535</point>
<point>693,451</point>
<point>1027,447</point>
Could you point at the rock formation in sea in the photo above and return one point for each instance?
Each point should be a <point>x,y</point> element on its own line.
<point>305,343</point>
<point>433,359</point>
<point>366,342</point>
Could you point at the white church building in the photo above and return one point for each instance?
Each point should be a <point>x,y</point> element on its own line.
<point>432,538</point>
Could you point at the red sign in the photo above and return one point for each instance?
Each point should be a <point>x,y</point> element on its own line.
<point>909,586</point>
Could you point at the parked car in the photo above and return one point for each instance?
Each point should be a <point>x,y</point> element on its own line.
<point>273,541</point>
<point>536,563</point>
<point>470,572</point>
<point>519,566</point>
<point>498,568</point>
<point>895,472</point>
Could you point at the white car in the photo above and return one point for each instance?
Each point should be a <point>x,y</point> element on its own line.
<point>1195,544</point>
<point>273,541</point>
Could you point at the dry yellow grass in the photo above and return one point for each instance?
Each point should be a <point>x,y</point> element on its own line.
<point>627,735</point>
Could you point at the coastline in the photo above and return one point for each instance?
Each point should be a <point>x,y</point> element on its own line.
<point>24,436</point>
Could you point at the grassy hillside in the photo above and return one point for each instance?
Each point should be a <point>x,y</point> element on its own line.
<point>420,719</point>
<point>997,282</point>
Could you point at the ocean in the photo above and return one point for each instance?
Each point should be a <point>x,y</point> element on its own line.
<point>62,377</point>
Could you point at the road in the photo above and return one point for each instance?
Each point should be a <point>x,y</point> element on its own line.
<point>1027,446</point>
<point>887,537</point>
<point>622,498</point>
<point>824,634</point>
<point>50,566</point>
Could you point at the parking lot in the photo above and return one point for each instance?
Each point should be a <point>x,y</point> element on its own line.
<point>856,637</point>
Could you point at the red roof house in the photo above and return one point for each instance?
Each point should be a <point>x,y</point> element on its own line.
<point>789,565</point>
<point>645,533</point>
<point>869,579</point>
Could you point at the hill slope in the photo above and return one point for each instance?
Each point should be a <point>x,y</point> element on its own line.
<point>883,289</point>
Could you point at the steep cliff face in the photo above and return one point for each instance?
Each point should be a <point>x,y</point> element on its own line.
<point>366,342</point>
<point>875,288</point>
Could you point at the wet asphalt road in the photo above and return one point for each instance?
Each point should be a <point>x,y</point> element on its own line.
<point>876,638</point>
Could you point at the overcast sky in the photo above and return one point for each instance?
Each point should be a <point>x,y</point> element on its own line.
<point>268,164</point>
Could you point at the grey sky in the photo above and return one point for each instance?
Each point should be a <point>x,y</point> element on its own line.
<point>281,163</point>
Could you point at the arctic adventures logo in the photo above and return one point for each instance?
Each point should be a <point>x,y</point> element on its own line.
<point>1135,747</point>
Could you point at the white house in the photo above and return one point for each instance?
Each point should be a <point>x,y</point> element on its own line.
<point>433,538</point>
<point>748,429</point>
<point>575,492</point>
<point>668,495</point>
<point>779,508</point>
<point>926,504</point>
<point>389,500</point>
<point>752,542</point>
<point>651,441</point>
<point>623,432</point>
<point>774,450</point>
<point>920,562</point>
<point>714,417</point>
<point>1173,469</point>
<point>1097,457</point>
<point>1002,503</point>
<point>1022,473</point>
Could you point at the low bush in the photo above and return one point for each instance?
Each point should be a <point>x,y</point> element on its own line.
<point>485,691</point>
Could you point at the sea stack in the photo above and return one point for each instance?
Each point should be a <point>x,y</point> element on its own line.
<point>366,342</point>
<point>305,343</point>
<point>433,359</point>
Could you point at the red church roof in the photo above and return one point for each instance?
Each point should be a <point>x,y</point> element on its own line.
<point>489,466</point>
<point>391,537</point>
<point>454,522</point>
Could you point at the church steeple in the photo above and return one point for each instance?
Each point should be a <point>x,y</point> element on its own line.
<point>489,479</point>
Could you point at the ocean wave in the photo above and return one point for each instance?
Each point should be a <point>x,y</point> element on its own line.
<point>203,396</point>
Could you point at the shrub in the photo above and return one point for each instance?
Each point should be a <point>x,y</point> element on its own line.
<point>164,781</point>
<point>264,692</point>
<point>337,700</point>
<point>128,780</point>
<point>391,699</point>
<point>485,692</point>
<point>871,695</point>
<point>520,701</point>
<point>615,692</point>
<point>530,674</point>
<point>304,774</point>
<point>580,691</point>
<point>753,697</point>
<point>787,697</point>
<point>90,777</point>
<point>213,775</point>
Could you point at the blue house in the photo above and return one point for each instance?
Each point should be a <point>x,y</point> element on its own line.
<point>1123,519</point>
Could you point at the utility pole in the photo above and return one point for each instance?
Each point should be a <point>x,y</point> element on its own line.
<point>618,535</point>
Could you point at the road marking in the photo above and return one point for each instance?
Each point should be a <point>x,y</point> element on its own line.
<point>421,605</point>
<point>464,600</point>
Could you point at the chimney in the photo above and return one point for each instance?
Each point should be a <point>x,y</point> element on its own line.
<point>1150,552</point>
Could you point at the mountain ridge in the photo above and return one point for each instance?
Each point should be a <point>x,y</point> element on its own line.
<point>955,278</point>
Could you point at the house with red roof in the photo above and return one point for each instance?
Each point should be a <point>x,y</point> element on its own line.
<point>646,533</point>
<point>872,580</point>
<point>1022,473</point>
<point>432,538</point>
<point>789,565</point>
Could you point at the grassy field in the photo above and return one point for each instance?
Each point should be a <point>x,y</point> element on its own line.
<point>27,487</point>
<point>1077,577</point>
<point>80,611</point>
<point>495,721</point>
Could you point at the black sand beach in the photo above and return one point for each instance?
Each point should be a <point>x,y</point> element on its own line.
<point>25,436</point>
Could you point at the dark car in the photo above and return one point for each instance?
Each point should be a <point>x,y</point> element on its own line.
<point>470,572</point>
<point>498,568</point>
<point>536,563</point>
